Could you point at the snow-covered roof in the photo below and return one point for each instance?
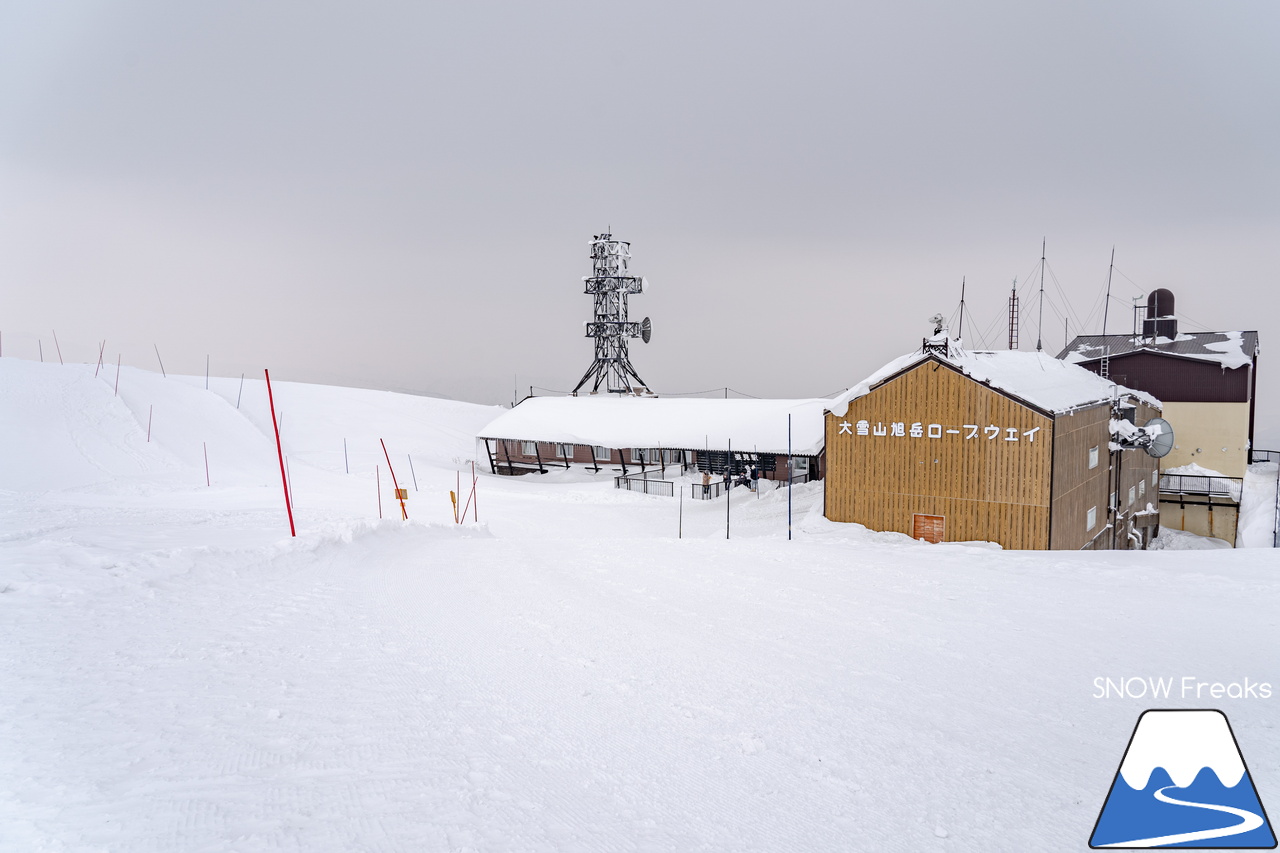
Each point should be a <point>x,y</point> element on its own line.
<point>675,423</point>
<point>1229,349</point>
<point>1035,377</point>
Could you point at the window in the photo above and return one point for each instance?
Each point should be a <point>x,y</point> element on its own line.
<point>1142,488</point>
<point>637,455</point>
<point>1093,461</point>
<point>1091,520</point>
<point>528,448</point>
<point>1154,475</point>
<point>601,453</point>
<point>800,464</point>
<point>1133,495</point>
<point>564,451</point>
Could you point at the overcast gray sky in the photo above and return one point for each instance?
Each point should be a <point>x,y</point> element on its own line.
<point>400,195</point>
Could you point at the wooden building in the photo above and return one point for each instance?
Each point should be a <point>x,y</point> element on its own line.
<point>1007,447</point>
<point>1207,382</point>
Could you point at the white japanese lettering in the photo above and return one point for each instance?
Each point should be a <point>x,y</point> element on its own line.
<point>991,431</point>
<point>973,431</point>
<point>1030,435</point>
<point>935,430</point>
<point>846,428</point>
<point>879,429</point>
<point>917,430</point>
<point>898,429</point>
<point>863,428</point>
<point>1012,434</point>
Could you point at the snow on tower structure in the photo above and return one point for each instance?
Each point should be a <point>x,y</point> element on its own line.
<point>609,285</point>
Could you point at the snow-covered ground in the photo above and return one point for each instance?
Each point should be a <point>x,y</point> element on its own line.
<point>1258,507</point>
<point>178,673</point>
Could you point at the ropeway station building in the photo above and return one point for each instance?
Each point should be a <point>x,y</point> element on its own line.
<point>1011,447</point>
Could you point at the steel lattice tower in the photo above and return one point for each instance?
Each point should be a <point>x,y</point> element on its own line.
<point>609,285</point>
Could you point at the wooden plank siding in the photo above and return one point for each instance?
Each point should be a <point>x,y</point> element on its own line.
<point>985,488</point>
<point>1076,486</point>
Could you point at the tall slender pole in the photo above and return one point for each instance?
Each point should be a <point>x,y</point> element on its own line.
<point>205,445</point>
<point>101,348</point>
<point>457,490</point>
<point>162,373</point>
<point>284,481</point>
<point>1106,305</point>
<point>404,514</point>
<point>149,410</point>
<point>791,468</point>
<point>1040,319</point>
<point>960,331</point>
<point>728,486</point>
<point>289,475</point>
<point>58,345</point>
<point>412,473</point>
<point>377,475</point>
<point>117,391</point>
<point>241,392</point>
<point>346,463</point>
<point>206,373</point>
<point>475,493</point>
<point>40,344</point>
<point>680,525</point>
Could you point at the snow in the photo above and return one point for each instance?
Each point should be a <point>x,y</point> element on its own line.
<point>566,674</point>
<point>1258,514</point>
<point>1232,349</point>
<point>1193,469</point>
<point>1038,378</point>
<point>623,421</point>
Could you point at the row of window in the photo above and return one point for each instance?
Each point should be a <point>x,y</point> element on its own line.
<point>1135,493</point>
<point>648,455</point>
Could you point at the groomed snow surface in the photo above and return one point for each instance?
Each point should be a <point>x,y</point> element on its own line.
<point>565,675</point>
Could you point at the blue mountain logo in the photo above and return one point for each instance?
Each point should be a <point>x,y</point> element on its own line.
<point>1183,783</point>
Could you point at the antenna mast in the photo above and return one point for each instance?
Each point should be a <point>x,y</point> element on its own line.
<point>609,285</point>
<point>1013,316</point>
<point>960,331</point>
<point>1107,304</point>
<point>1040,319</point>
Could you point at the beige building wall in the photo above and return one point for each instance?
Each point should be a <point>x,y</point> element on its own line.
<point>1212,435</point>
<point>1218,521</point>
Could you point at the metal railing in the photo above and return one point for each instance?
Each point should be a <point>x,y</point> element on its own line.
<point>709,492</point>
<point>644,485</point>
<point>1264,456</point>
<point>1195,484</point>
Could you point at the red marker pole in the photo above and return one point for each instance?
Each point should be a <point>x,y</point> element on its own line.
<point>288,505</point>
<point>403,513</point>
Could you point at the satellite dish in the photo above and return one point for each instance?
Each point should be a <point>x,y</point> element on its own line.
<point>646,332</point>
<point>1161,437</point>
<point>1155,437</point>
